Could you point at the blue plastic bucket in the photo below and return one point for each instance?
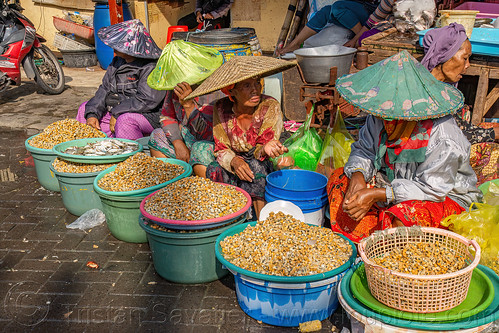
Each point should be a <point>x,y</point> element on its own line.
<point>105,54</point>
<point>306,189</point>
<point>285,300</point>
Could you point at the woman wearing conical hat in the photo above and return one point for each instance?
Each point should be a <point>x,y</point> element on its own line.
<point>411,164</point>
<point>124,106</point>
<point>246,125</point>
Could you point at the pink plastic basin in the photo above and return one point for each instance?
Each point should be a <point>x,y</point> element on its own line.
<point>487,10</point>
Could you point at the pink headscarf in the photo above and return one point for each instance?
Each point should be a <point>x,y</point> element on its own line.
<point>441,44</point>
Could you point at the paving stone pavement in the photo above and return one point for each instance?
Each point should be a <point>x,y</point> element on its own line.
<point>45,284</point>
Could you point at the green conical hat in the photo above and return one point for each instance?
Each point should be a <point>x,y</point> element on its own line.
<point>399,88</point>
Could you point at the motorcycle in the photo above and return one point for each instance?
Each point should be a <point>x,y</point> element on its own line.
<point>21,45</point>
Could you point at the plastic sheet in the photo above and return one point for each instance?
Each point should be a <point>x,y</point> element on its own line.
<point>481,223</point>
<point>183,61</point>
<point>89,219</point>
<point>341,142</point>
<point>304,148</point>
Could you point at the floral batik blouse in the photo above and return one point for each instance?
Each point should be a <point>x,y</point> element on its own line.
<point>231,140</point>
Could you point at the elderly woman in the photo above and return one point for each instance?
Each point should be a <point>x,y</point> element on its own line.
<point>246,125</point>
<point>411,163</point>
<point>124,106</point>
<point>447,53</point>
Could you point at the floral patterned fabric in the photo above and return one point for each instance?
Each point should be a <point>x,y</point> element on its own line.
<point>484,160</point>
<point>399,87</point>
<point>231,140</point>
<point>413,212</point>
<point>474,134</point>
<point>130,37</point>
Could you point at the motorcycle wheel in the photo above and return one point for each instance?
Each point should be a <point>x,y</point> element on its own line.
<point>48,72</point>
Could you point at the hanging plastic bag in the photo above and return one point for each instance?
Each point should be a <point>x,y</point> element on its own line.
<point>481,223</point>
<point>341,142</point>
<point>491,197</point>
<point>325,165</point>
<point>304,148</point>
<point>183,61</point>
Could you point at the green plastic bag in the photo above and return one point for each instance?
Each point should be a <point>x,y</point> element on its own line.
<point>304,148</point>
<point>183,61</point>
<point>481,223</point>
<point>341,142</point>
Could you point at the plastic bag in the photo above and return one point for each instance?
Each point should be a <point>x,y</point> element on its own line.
<point>341,142</point>
<point>89,219</point>
<point>304,148</point>
<point>492,195</point>
<point>325,165</point>
<point>183,61</point>
<point>481,223</point>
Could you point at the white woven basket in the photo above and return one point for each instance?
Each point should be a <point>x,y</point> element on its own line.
<point>67,44</point>
<point>418,293</point>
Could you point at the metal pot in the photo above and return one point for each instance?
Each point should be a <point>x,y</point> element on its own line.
<point>315,62</point>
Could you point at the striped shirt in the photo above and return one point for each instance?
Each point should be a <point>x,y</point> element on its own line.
<point>384,9</point>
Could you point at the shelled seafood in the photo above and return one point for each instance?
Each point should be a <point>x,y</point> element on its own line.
<point>103,148</point>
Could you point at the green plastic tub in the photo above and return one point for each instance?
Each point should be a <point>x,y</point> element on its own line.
<point>122,217</point>
<point>43,158</point>
<point>187,257</point>
<point>122,209</point>
<point>77,191</point>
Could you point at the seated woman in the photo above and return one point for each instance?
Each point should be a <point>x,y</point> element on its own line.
<point>211,13</point>
<point>447,53</point>
<point>358,16</point>
<point>411,163</point>
<point>187,128</point>
<point>124,106</point>
<point>246,124</point>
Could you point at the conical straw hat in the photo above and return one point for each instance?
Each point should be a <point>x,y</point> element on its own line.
<point>399,88</point>
<point>238,69</point>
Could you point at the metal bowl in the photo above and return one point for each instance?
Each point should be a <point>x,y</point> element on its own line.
<point>315,62</point>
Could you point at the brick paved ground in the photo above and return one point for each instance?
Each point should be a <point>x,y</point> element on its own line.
<point>46,286</point>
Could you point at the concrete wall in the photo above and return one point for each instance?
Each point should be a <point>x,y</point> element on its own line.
<point>41,15</point>
<point>265,16</point>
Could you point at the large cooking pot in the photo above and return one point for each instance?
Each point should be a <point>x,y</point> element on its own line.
<point>315,62</point>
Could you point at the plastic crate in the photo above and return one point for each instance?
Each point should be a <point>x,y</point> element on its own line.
<point>64,43</point>
<point>73,28</point>
<point>79,58</point>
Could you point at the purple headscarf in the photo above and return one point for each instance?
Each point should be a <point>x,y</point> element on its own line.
<point>441,44</point>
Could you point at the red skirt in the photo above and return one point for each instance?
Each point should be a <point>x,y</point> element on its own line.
<point>412,212</point>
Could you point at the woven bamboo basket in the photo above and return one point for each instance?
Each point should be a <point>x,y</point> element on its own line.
<point>418,293</point>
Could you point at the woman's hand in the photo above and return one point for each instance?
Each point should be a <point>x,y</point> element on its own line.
<point>94,122</point>
<point>242,169</point>
<point>208,16</point>
<point>112,123</point>
<point>181,151</point>
<point>361,202</point>
<point>199,17</point>
<point>274,148</point>
<point>182,90</point>
<point>357,183</point>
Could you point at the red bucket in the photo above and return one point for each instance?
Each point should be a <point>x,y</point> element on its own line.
<point>175,28</point>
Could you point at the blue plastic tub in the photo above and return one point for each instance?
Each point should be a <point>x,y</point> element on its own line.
<point>483,41</point>
<point>285,300</point>
<point>102,19</point>
<point>306,189</point>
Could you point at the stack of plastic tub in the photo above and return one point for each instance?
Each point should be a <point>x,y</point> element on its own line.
<point>378,299</point>
<point>285,300</point>
<point>77,190</point>
<point>184,251</point>
<point>122,208</point>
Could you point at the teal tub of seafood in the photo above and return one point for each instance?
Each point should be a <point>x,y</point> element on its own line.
<point>77,191</point>
<point>285,300</point>
<point>97,150</point>
<point>122,209</point>
<point>186,256</point>
<point>43,158</point>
